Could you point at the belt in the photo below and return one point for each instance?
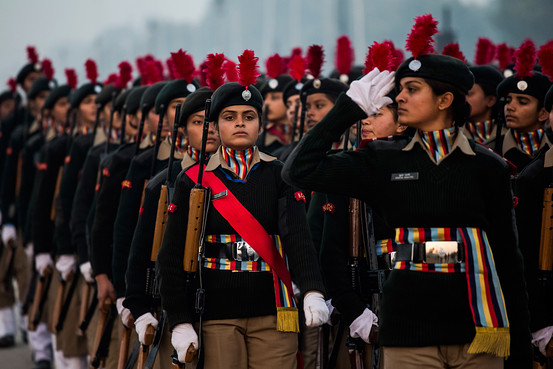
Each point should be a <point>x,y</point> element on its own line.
<point>234,251</point>
<point>429,252</point>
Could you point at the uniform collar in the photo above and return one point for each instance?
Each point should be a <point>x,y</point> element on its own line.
<point>187,161</point>
<point>165,151</point>
<point>509,142</point>
<point>461,141</point>
<point>217,159</point>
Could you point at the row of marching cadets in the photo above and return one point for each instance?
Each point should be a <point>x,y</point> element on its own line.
<point>156,224</point>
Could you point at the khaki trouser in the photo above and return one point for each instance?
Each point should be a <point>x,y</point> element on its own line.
<point>450,356</point>
<point>252,343</point>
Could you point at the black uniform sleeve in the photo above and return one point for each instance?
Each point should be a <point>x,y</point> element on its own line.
<point>9,177</point>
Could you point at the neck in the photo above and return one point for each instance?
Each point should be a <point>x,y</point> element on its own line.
<point>481,117</point>
<point>437,125</point>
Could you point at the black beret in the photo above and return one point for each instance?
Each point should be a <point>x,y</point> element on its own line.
<point>292,88</point>
<point>26,70</point>
<point>328,86</point>
<point>41,84</point>
<point>355,73</point>
<point>441,68</point>
<point>275,84</point>
<point>133,99</point>
<point>194,103</point>
<point>233,93</point>
<point>487,77</point>
<point>173,90</point>
<point>535,85</point>
<point>79,94</point>
<point>9,95</point>
<point>106,94</point>
<point>149,98</point>
<point>55,95</point>
<point>120,100</point>
<point>548,103</point>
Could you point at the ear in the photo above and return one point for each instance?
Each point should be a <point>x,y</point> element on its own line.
<point>543,115</point>
<point>400,128</point>
<point>491,100</point>
<point>445,100</point>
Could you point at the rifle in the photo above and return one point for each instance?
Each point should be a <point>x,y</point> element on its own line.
<point>58,302</point>
<point>302,120</point>
<point>56,191</point>
<point>158,140</point>
<point>103,334</point>
<point>265,122</point>
<point>10,256</point>
<point>83,309</point>
<point>67,302</point>
<point>124,348</point>
<point>41,294</point>
<point>295,123</point>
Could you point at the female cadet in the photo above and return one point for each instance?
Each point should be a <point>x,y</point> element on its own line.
<point>250,319</point>
<point>444,303</point>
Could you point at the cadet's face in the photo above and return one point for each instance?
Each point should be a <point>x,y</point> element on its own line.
<point>293,103</point>
<point>87,110</point>
<point>194,131</point>
<point>40,99</point>
<point>106,112</point>
<point>275,105</point>
<point>152,120</point>
<point>417,104</point>
<point>6,108</point>
<point>59,112</point>
<point>169,118</point>
<point>238,126</point>
<point>480,104</point>
<point>317,106</point>
<point>522,114</point>
<point>28,81</point>
<point>551,118</point>
<point>382,124</point>
<point>132,125</point>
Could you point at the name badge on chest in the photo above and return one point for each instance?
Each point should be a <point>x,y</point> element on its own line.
<point>413,176</point>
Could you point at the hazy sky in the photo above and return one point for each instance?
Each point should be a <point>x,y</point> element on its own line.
<point>48,23</point>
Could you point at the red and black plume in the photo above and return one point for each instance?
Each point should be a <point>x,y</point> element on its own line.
<point>214,70</point>
<point>273,66</point>
<point>297,67</point>
<point>344,56</point>
<point>485,51</point>
<point>379,56</point>
<point>419,41</point>
<point>183,65</point>
<point>398,56</point>
<point>315,60</point>
<point>32,55</point>
<point>230,70</point>
<point>112,78</point>
<point>545,59</point>
<point>525,59</point>
<point>152,74</point>
<point>454,51</point>
<point>247,68</point>
<point>48,69</point>
<point>125,74</point>
<point>91,71</point>
<point>12,84</point>
<point>71,77</point>
<point>504,55</point>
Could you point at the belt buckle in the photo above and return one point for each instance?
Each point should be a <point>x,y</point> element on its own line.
<point>242,251</point>
<point>442,252</point>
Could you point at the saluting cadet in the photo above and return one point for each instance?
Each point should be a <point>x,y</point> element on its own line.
<point>484,104</point>
<point>534,200</point>
<point>524,112</point>
<point>435,309</point>
<point>144,306</point>
<point>247,308</point>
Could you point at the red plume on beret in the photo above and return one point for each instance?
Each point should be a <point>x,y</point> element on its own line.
<point>343,59</point>
<point>315,60</point>
<point>398,56</point>
<point>485,51</point>
<point>273,65</point>
<point>247,69</point>
<point>152,73</point>
<point>171,68</point>
<point>91,71</point>
<point>125,74</point>
<point>183,65</point>
<point>504,55</point>
<point>420,40</point>
<point>230,70</point>
<point>545,59</point>
<point>47,68</point>
<point>525,59</point>
<point>297,67</point>
<point>112,78</point>
<point>71,77</point>
<point>453,50</point>
<point>12,84</point>
<point>214,70</point>
<point>379,56</point>
<point>32,55</point>
<point>296,51</point>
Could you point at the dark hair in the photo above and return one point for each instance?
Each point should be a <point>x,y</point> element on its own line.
<point>460,108</point>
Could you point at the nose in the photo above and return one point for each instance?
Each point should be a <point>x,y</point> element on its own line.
<point>400,97</point>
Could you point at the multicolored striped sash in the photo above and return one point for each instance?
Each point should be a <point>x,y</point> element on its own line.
<point>480,131</point>
<point>485,296</point>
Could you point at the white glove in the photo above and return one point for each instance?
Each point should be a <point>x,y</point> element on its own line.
<point>314,307</point>
<point>296,289</point>
<point>8,233</point>
<point>142,323</point>
<point>42,262</point>
<point>362,325</point>
<point>86,271</point>
<point>124,313</point>
<point>330,308</point>
<point>371,90</point>
<point>183,336</point>
<point>65,265</point>
<point>541,338</point>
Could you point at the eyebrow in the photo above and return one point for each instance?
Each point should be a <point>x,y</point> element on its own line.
<point>410,82</point>
<point>235,112</point>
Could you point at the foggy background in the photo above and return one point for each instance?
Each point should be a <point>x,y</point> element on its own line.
<point>110,31</point>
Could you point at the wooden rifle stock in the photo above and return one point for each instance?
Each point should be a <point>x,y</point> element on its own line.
<point>39,294</point>
<point>56,191</point>
<point>124,348</point>
<point>161,220</point>
<point>101,325</point>
<point>60,293</point>
<point>84,305</point>
<point>18,172</point>
<point>196,212</point>
<point>148,340</point>
<point>546,240</point>
<point>355,232</point>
